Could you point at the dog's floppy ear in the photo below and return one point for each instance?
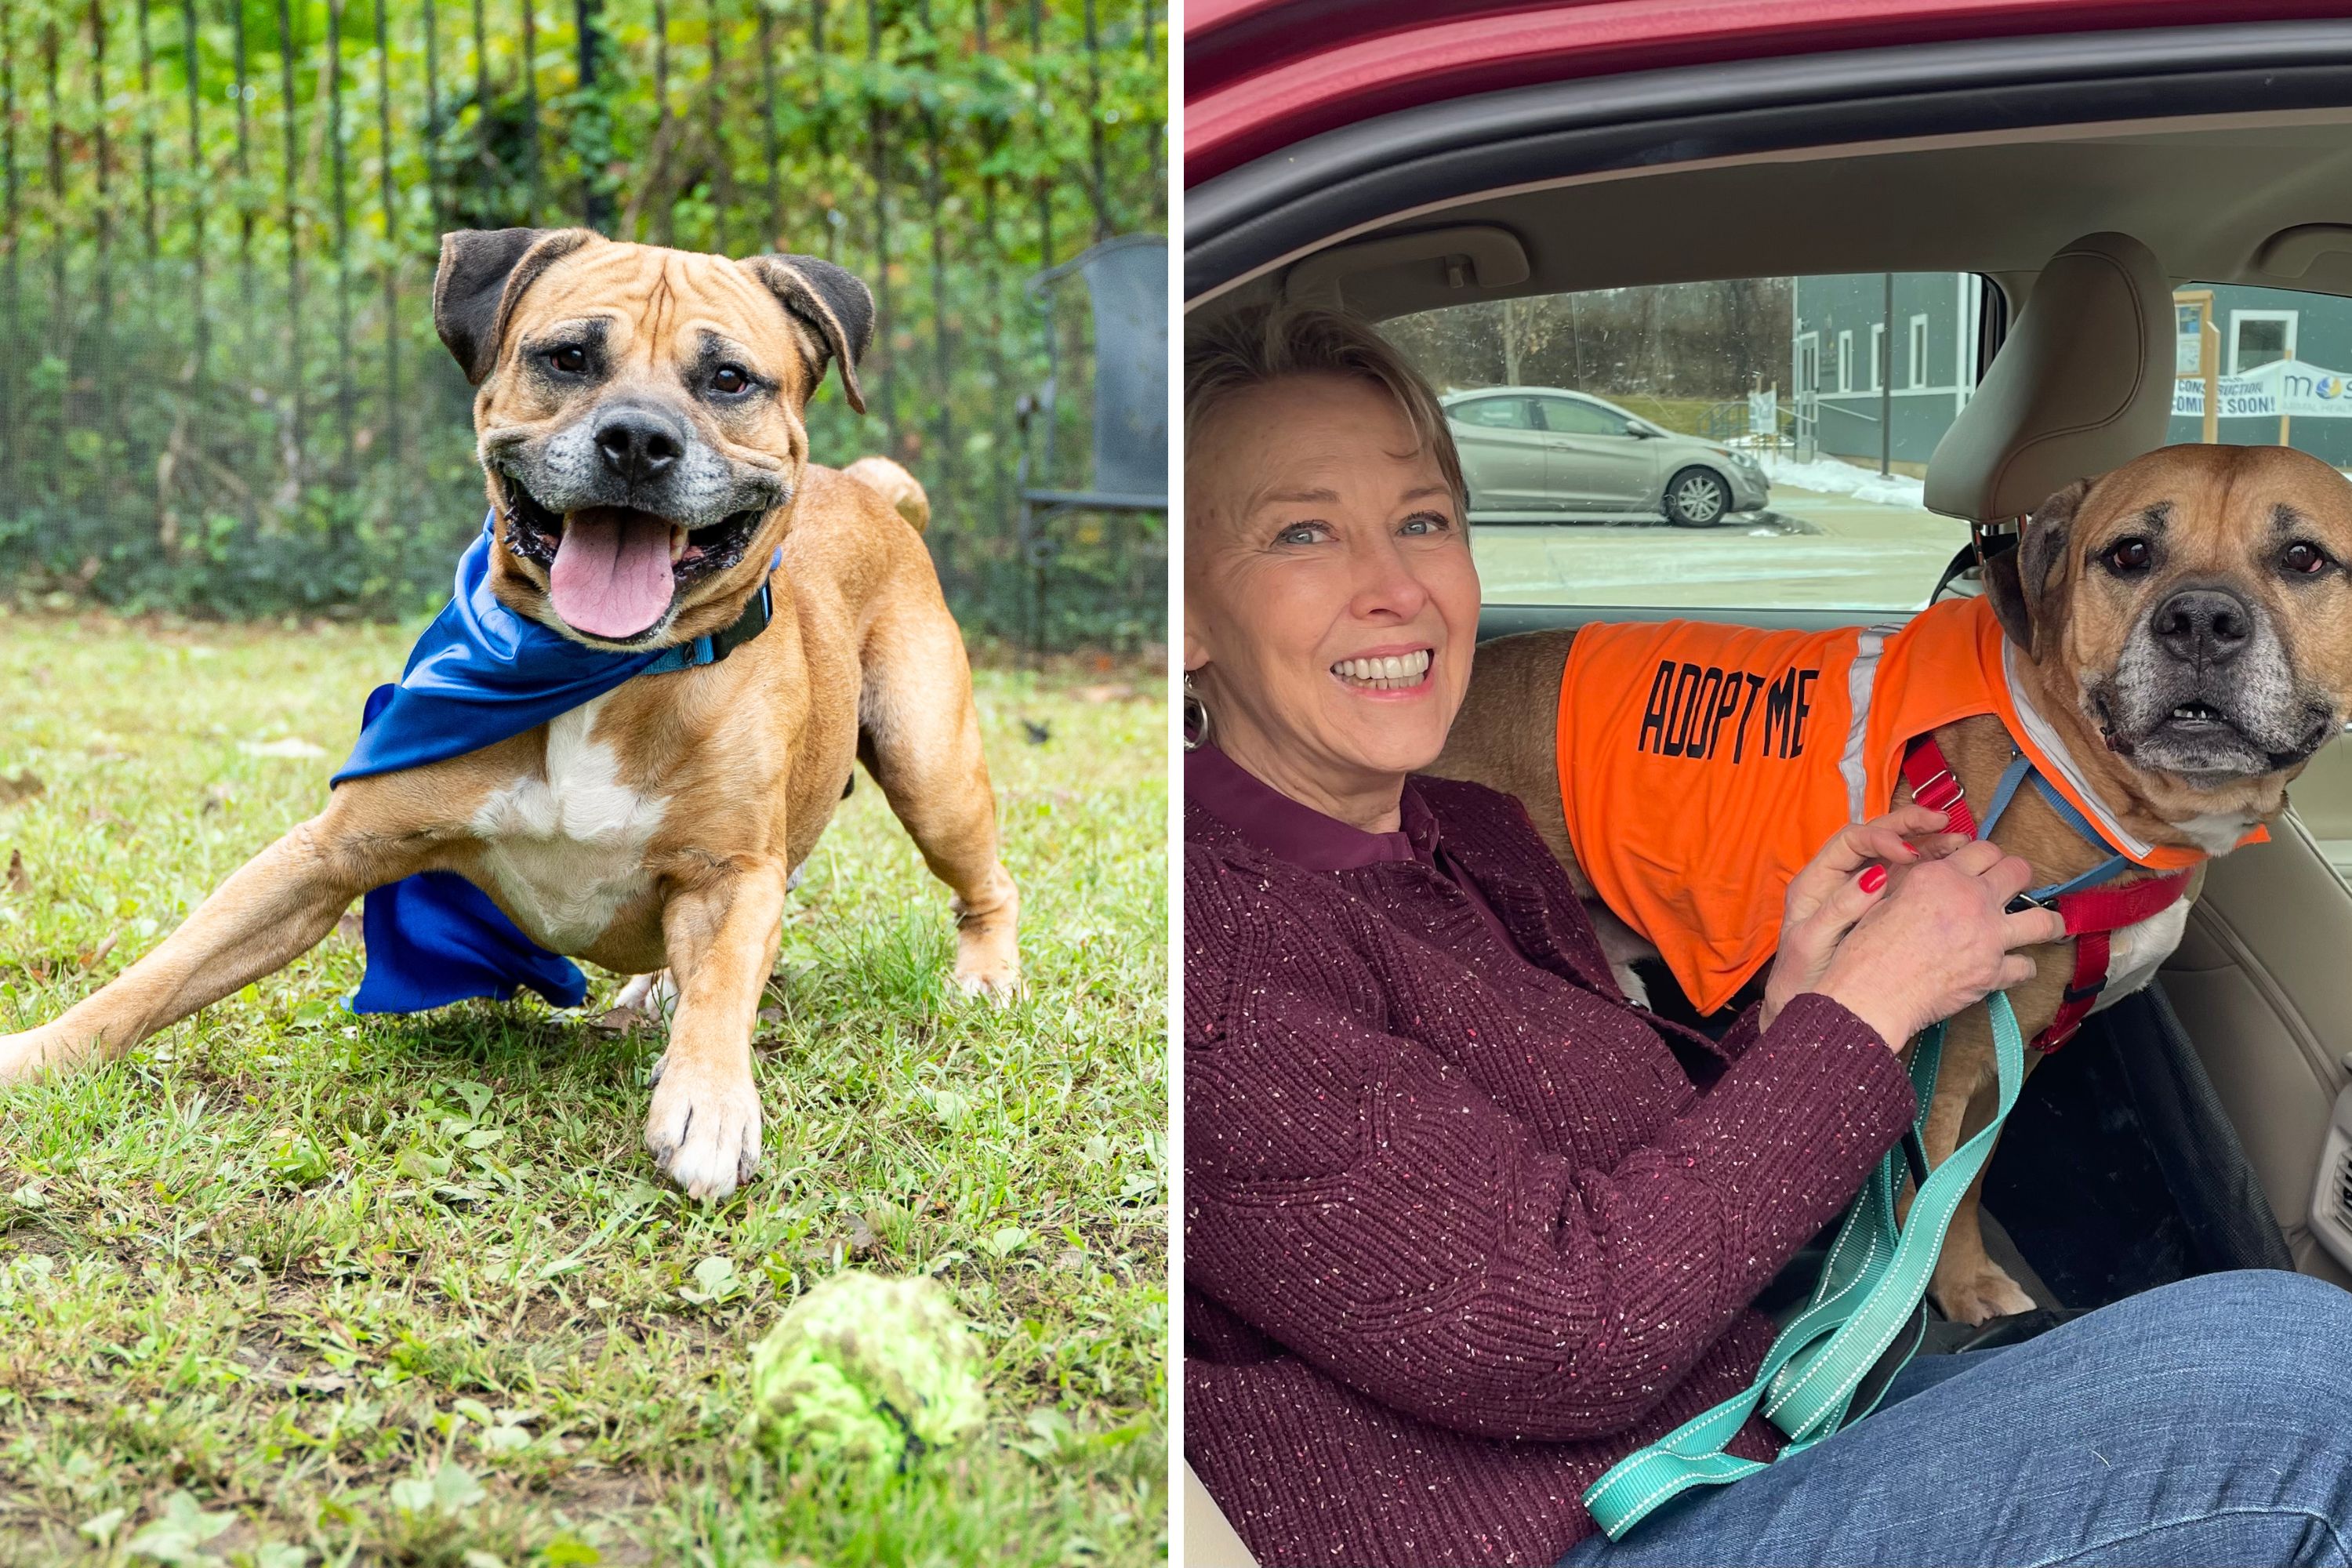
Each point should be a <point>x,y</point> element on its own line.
<point>483,273</point>
<point>2020,582</point>
<point>829,302</point>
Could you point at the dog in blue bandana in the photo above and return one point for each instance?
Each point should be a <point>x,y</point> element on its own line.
<point>670,643</point>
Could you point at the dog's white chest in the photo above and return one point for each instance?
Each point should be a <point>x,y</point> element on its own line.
<point>567,849</point>
<point>2136,951</point>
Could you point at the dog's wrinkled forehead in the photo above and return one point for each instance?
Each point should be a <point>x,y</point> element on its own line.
<point>536,316</point>
<point>627,314</point>
<point>2222,511</point>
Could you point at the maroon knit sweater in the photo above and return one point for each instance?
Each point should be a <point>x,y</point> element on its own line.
<point>1460,1233</point>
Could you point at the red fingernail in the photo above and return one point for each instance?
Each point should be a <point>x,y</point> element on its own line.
<point>1912,851</point>
<point>1874,878</point>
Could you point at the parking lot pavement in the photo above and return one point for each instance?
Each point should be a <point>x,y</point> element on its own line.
<point>1809,552</point>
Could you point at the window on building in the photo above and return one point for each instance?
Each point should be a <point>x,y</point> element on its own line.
<point>2259,338</point>
<point>1877,354</point>
<point>1846,362</point>
<point>1919,351</point>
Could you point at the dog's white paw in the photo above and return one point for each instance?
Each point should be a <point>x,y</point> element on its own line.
<point>652,997</point>
<point>703,1129</point>
<point>26,1056</point>
<point>1980,1295</point>
<point>988,947</point>
<point>998,981</point>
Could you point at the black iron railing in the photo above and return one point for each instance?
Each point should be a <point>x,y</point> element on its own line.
<point>219,386</point>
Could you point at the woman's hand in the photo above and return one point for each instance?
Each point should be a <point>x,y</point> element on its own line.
<point>1905,951</point>
<point>1840,885</point>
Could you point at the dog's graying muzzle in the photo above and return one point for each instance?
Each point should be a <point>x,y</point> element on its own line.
<point>2203,626</point>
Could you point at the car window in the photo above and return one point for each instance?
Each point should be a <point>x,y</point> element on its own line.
<point>1789,475</point>
<point>1570,417</point>
<point>2277,363</point>
<point>1493,414</point>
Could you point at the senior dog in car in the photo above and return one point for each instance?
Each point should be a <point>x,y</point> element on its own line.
<point>643,704</point>
<point>2144,675</point>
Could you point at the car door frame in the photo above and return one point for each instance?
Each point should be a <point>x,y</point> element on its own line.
<point>1634,486</point>
<point>1535,496</point>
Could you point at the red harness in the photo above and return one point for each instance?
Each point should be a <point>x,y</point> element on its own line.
<point>2092,914</point>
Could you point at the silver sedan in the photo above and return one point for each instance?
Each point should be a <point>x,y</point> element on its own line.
<point>1536,453</point>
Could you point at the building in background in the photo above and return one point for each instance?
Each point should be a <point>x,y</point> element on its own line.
<point>1862,401</point>
<point>2278,350</point>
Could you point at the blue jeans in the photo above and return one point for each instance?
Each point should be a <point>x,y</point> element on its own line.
<point>2208,1422</point>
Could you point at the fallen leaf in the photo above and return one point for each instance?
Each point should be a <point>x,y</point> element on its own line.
<point>861,1235</point>
<point>323,1382</point>
<point>102,1529</point>
<point>352,929</point>
<point>91,957</point>
<point>18,881</point>
<point>15,787</point>
<point>177,1535</point>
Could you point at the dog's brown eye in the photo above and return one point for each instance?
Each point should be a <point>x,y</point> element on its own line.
<point>570,359</point>
<point>730,379</point>
<point>2129,555</point>
<point>2301,556</point>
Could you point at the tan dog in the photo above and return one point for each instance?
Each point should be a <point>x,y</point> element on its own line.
<point>640,420</point>
<point>2184,623</point>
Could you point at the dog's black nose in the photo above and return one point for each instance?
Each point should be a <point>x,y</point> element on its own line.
<point>638,443</point>
<point>2203,626</point>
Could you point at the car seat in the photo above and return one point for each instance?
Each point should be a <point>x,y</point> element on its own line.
<point>1209,1540</point>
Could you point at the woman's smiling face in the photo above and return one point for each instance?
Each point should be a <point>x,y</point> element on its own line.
<point>1330,604</point>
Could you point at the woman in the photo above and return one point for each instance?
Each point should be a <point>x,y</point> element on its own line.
<point>1461,1230</point>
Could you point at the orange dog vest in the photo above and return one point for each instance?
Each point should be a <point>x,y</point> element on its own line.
<point>1702,765</point>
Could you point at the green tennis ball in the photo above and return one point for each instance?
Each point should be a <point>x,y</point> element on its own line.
<point>867,1372</point>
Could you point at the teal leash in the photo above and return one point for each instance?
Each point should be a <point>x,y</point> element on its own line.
<point>1869,1291</point>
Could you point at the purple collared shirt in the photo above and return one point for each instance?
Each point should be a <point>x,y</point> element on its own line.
<point>1313,842</point>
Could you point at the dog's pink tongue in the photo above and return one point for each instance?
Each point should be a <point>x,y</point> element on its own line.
<point>612,576</point>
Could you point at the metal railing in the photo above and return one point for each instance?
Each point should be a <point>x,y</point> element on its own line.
<point>220,389</point>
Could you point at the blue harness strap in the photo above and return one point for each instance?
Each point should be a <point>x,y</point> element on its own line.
<point>2021,769</point>
<point>480,674</point>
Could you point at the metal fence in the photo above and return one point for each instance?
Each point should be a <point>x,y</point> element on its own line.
<point>220,390</point>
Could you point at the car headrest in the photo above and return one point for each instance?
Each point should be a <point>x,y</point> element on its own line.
<point>2082,385</point>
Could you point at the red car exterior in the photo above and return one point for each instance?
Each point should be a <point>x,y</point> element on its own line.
<point>1261,75</point>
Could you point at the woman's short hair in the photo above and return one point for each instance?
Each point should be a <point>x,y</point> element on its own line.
<point>1270,343</point>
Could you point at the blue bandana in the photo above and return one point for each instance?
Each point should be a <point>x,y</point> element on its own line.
<point>480,674</point>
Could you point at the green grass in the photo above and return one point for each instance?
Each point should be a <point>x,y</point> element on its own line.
<point>287,1286</point>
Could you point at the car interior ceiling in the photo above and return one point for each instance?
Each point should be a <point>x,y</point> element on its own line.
<point>2184,1130</point>
<point>2207,198</point>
